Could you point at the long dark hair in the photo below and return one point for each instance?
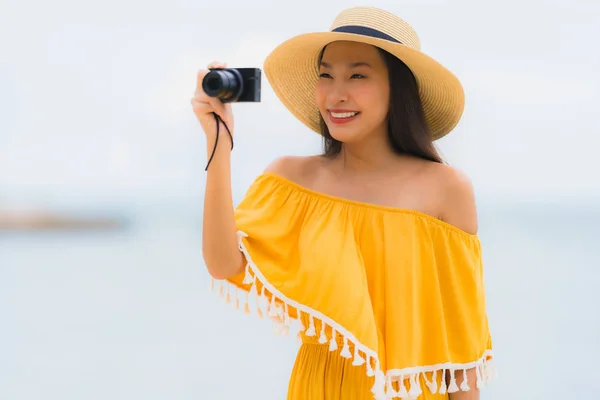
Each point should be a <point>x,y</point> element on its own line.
<point>408,132</point>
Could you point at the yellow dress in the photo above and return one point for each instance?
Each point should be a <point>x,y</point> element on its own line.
<point>386,301</point>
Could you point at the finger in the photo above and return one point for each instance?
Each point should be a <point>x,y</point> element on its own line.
<point>200,106</point>
<point>218,106</point>
<point>199,94</point>
<point>200,101</point>
<point>217,64</point>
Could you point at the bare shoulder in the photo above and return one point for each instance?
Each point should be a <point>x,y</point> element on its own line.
<point>458,206</point>
<point>298,169</point>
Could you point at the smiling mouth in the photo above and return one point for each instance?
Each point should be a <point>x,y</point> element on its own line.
<point>341,115</point>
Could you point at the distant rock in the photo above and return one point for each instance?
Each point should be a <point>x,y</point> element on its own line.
<point>34,221</point>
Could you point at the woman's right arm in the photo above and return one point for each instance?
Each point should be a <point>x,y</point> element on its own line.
<point>219,238</point>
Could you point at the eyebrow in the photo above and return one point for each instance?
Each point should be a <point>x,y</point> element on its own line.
<point>351,65</point>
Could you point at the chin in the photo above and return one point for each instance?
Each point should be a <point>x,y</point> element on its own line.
<point>345,134</point>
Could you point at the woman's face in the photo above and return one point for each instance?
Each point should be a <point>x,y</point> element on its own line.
<point>353,92</point>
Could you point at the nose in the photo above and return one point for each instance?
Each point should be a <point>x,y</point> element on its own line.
<point>338,93</point>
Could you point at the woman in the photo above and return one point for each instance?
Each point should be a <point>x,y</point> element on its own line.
<point>370,249</point>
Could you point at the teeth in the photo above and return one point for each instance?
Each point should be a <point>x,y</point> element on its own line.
<point>343,115</point>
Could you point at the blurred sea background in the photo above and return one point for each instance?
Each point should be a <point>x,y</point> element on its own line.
<point>96,125</point>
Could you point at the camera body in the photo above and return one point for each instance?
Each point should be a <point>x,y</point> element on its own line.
<point>233,84</point>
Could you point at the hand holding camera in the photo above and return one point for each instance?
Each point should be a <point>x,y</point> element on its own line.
<point>204,105</point>
<point>215,89</point>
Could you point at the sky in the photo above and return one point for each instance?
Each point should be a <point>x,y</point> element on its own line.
<point>94,97</point>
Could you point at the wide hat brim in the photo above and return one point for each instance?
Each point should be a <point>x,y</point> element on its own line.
<point>292,71</point>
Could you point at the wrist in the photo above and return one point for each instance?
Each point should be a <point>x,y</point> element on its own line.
<point>220,144</point>
<point>223,144</point>
<point>218,151</point>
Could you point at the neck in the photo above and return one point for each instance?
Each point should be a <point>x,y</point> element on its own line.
<point>371,155</point>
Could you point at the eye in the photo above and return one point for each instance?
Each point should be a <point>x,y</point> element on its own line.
<point>324,75</point>
<point>357,76</point>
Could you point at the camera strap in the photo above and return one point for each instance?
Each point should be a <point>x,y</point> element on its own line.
<point>217,119</point>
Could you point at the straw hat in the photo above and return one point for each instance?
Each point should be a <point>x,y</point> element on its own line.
<point>293,72</point>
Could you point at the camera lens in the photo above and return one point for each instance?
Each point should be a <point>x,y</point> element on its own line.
<point>212,84</point>
<point>225,84</point>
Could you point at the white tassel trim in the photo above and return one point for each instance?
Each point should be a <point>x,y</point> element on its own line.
<point>383,387</point>
<point>333,342</point>
<point>484,369</point>
<point>311,331</point>
<point>346,349</point>
<point>323,337</point>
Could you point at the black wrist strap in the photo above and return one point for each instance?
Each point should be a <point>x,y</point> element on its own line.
<point>217,119</point>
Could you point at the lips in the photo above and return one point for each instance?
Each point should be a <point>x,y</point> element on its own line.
<point>342,116</point>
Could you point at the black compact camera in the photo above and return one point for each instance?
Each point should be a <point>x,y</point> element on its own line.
<point>233,84</point>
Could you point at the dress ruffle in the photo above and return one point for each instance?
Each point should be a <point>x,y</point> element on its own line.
<point>399,292</point>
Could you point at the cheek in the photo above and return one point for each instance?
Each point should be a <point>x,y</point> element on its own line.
<point>320,95</point>
<point>373,99</point>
